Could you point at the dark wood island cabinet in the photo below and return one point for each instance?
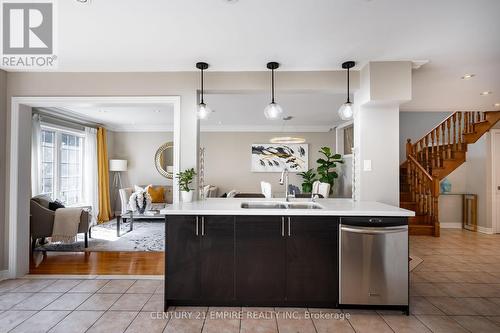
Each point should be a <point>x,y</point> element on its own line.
<point>251,260</point>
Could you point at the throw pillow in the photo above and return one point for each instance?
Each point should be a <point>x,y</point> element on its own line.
<point>157,194</point>
<point>54,205</point>
<point>42,199</point>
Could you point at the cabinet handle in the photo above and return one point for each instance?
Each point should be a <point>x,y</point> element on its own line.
<point>282,226</point>
<point>289,227</point>
<point>203,225</point>
<point>196,225</point>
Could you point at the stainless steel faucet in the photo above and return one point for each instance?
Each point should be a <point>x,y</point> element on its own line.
<point>284,181</point>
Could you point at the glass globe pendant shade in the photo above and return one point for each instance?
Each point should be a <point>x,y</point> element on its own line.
<point>346,111</point>
<point>273,111</point>
<point>203,111</point>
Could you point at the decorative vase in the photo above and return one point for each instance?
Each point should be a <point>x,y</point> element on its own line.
<point>445,186</point>
<point>187,196</point>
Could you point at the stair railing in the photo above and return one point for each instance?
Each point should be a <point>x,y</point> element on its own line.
<point>444,139</point>
<point>424,190</point>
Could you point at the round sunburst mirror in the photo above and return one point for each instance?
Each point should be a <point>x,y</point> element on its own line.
<point>164,160</point>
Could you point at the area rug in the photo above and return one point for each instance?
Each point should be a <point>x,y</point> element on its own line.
<point>148,235</point>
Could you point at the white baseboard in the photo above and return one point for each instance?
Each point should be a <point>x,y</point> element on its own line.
<point>485,230</point>
<point>4,275</point>
<point>451,225</point>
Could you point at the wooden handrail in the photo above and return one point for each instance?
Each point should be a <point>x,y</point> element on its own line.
<point>420,167</point>
<point>438,125</point>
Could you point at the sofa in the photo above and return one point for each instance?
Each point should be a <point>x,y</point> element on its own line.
<point>42,221</point>
<point>125,194</point>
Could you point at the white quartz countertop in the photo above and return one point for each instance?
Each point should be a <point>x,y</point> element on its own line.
<point>330,207</point>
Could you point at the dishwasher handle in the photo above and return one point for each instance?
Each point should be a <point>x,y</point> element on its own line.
<point>374,231</point>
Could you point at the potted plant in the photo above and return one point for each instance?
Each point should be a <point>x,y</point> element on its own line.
<point>327,165</point>
<point>309,177</point>
<point>185,179</point>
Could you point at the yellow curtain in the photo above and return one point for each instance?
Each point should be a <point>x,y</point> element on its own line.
<point>103,176</point>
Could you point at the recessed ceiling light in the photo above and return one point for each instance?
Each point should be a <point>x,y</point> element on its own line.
<point>496,104</point>
<point>468,76</point>
<point>484,93</point>
<point>157,111</point>
<point>231,1</point>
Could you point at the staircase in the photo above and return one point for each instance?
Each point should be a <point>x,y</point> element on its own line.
<point>434,157</point>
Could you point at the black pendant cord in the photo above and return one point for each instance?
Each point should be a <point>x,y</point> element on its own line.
<point>202,101</point>
<point>272,86</point>
<point>348,95</point>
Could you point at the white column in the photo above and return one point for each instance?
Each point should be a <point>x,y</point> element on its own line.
<point>384,86</point>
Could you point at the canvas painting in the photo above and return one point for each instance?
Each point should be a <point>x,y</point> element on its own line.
<point>275,157</point>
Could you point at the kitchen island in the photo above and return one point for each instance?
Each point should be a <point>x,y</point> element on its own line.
<point>268,252</point>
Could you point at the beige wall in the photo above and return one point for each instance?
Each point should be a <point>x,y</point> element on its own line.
<point>228,159</point>
<point>139,149</point>
<point>3,125</point>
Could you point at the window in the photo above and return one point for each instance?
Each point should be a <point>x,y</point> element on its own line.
<point>62,165</point>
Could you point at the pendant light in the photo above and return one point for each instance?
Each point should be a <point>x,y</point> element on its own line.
<point>286,139</point>
<point>203,110</point>
<point>346,111</point>
<point>273,111</point>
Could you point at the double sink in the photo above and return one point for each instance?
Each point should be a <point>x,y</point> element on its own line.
<point>280,205</point>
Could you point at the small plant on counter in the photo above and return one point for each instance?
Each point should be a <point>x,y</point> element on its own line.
<point>185,179</point>
<point>309,177</point>
<point>327,165</point>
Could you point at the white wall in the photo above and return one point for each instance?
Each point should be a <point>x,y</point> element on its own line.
<point>383,87</point>
<point>228,160</point>
<point>3,129</point>
<point>478,170</point>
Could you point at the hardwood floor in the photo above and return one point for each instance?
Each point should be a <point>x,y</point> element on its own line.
<point>116,263</point>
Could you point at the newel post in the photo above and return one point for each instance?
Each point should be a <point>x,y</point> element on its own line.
<point>409,148</point>
<point>435,201</point>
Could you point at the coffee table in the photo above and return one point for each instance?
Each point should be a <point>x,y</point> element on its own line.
<point>152,214</point>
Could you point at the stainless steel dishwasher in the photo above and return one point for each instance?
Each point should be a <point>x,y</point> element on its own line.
<point>373,255</point>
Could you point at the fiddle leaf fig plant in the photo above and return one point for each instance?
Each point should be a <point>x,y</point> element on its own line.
<point>327,164</point>
<point>309,177</point>
<point>185,179</point>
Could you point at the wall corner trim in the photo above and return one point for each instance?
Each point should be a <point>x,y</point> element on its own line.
<point>485,230</point>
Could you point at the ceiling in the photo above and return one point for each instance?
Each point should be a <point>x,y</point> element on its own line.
<point>455,36</point>
<point>311,112</point>
<point>242,111</point>
<point>126,117</point>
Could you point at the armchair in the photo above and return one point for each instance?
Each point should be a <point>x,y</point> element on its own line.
<point>42,222</point>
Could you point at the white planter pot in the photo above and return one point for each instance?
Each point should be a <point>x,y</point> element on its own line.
<point>187,196</point>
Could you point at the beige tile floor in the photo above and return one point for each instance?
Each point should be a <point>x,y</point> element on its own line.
<point>455,289</point>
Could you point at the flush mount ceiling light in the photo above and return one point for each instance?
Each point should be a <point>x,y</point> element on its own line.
<point>484,93</point>
<point>346,111</point>
<point>273,111</point>
<point>286,139</point>
<point>203,110</point>
<point>468,76</point>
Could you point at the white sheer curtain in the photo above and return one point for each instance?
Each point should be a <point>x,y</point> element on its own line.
<point>90,183</point>
<point>36,134</point>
